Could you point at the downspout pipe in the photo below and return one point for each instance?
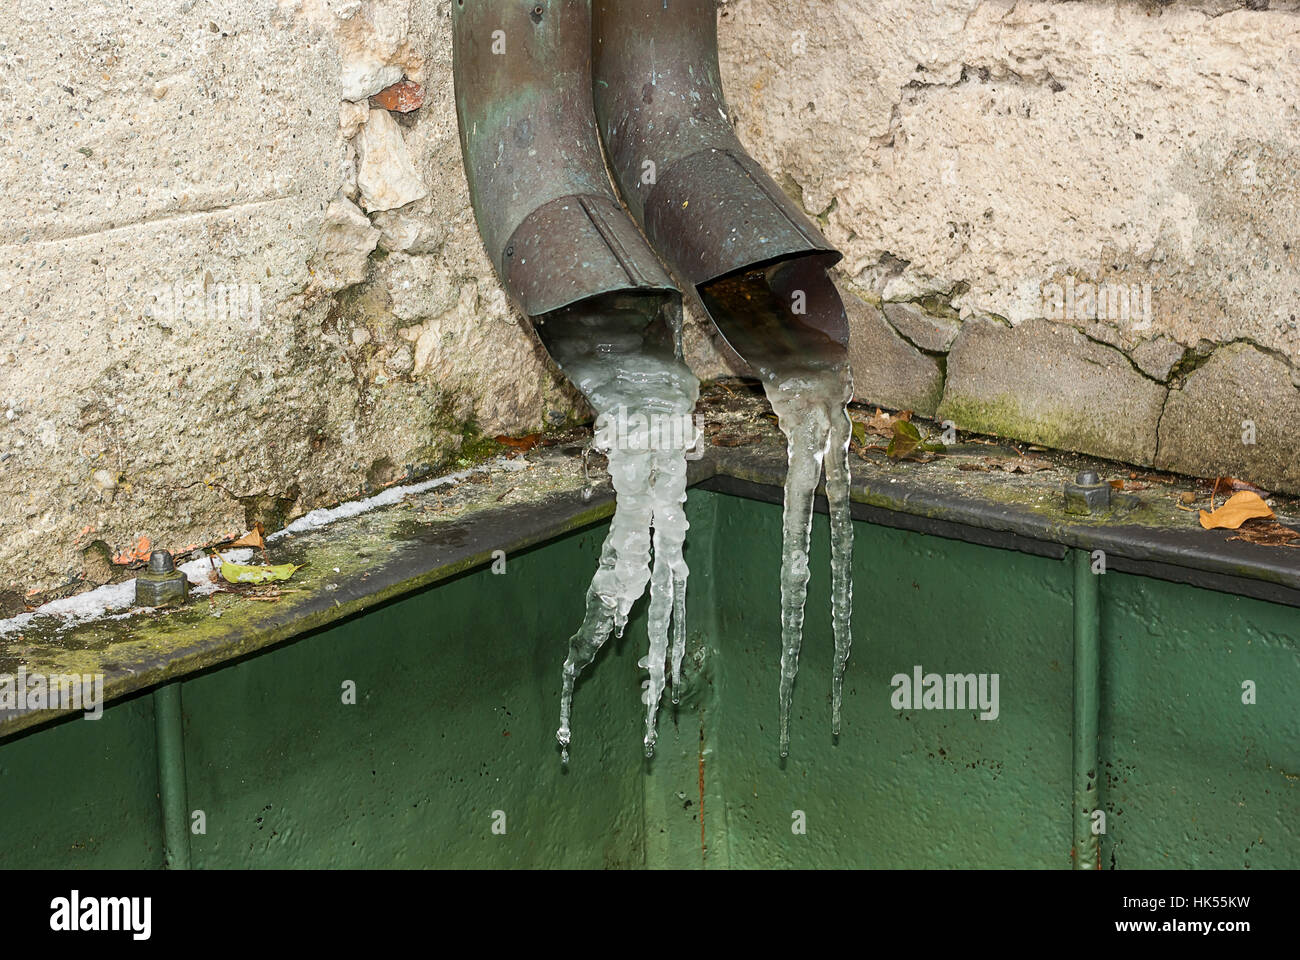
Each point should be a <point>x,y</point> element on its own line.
<point>545,208</point>
<point>707,207</point>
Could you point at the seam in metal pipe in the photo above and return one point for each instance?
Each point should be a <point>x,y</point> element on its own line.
<point>1087,710</point>
<point>706,206</point>
<point>545,208</point>
<point>172,791</point>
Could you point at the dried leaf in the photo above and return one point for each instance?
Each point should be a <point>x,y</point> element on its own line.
<point>1268,533</point>
<point>972,467</point>
<point>139,552</point>
<point>1231,483</point>
<point>1018,464</point>
<point>242,573</point>
<point>521,444</point>
<point>253,538</point>
<point>402,97</point>
<point>882,424</point>
<point>1239,508</point>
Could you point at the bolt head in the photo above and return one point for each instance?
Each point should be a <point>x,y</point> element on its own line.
<point>1087,494</point>
<point>161,561</point>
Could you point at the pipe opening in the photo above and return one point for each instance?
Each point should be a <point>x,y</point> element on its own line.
<point>611,326</point>
<point>781,312</point>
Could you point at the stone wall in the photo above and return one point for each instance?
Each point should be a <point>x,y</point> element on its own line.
<point>234,288</point>
<point>1072,223</point>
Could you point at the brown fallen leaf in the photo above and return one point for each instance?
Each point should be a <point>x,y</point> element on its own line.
<point>1018,464</point>
<point>254,538</point>
<point>401,97</point>
<point>520,443</point>
<point>139,552</point>
<point>1268,533</point>
<point>1239,508</point>
<point>882,424</point>
<point>973,467</point>
<point>1233,484</point>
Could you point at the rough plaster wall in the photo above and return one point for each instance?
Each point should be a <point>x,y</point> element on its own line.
<point>963,154</point>
<point>193,143</point>
<point>976,160</point>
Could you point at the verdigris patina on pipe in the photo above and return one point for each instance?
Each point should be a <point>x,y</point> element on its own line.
<point>543,201</point>
<point>708,208</point>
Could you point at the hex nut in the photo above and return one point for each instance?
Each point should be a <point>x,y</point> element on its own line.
<point>161,584</point>
<point>1087,494</point>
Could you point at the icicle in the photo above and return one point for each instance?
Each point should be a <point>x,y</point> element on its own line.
<point>810,405</point>
<point>644,400</point>
<point>620,579</point>
<point>837,498</point>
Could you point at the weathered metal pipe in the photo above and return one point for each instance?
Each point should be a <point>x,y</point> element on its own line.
<point>707,207</point>
<point>545,208</point>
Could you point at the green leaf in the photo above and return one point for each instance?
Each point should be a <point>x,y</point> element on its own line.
<point>242,573</point>
<point>905,440</point>
<point>859,433</point>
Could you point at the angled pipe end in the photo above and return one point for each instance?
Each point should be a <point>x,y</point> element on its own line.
<point>720,213</point>
<point>726,228</point>
<point>576,248</point>
<point>542,198</point>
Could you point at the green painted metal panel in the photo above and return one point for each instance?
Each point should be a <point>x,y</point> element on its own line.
<point>83,793</point>
<point>455,716</point>
<point>457,703</point>
<point>902,788</point>
<point>1191,775</point>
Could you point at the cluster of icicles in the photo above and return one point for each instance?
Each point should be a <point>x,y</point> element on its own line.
<point>647,533</point>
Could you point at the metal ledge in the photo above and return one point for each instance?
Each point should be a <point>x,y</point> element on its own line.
<point>358,563</point>
<point>911,499</point>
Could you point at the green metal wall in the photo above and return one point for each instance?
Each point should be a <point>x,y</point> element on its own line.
<point>455,719</point>
<point>1190,776</point>
<point>457,703</point>
<point>918,788</point>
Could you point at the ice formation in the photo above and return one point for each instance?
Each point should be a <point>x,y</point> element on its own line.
<point>810,405</point>
<point>643,395</point>
<point>805,374</point>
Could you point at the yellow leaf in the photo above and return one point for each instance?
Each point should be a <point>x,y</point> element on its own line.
<point>1239,508</point>
<point>242,573</point>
